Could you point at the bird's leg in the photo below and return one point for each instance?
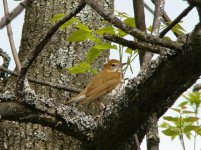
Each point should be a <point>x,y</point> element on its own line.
<point>102,107</point>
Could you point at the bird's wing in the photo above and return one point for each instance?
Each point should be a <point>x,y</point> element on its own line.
<point>101,85</point>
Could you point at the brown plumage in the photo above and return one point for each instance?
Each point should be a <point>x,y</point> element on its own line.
<point>101,84</point>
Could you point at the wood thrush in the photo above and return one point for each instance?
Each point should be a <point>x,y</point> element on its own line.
<point>107,82</point>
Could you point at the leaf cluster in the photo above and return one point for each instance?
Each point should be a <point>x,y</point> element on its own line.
<point>186,122</point>
<point>83,33</point>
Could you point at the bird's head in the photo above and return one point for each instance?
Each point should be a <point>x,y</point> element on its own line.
<point>113,65</point>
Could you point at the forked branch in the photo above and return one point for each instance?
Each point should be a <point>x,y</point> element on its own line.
<point>96,5</point>
<point>15,12</point>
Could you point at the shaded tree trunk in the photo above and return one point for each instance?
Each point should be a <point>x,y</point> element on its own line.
<point>50,66</point>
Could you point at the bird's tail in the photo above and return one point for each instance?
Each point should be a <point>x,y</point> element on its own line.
<point>71,101</point>
<point>76,99</point>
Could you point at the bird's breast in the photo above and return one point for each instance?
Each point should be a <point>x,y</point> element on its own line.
<point>105,99</point>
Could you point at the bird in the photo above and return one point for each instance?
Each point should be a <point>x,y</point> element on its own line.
<point>106,82</point>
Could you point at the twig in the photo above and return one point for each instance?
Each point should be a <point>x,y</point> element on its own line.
<point>10,37</point>
<point>42,82</point>
<point>95,4</point>
<point>137,142</point>
<point>166,19</point>
<point>40,46</point>
<point>148,8</point>
<point>176,21</point>
<point>133,44</point>
<point>15,12</point>
<point>159,7</point>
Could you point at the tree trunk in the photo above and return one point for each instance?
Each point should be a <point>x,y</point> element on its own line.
<point>50,66</point>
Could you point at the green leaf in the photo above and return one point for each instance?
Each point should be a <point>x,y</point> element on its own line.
<point>121,33</point>
<point>136,51</point>
<point>178,29</point>
<point>92,55</point>
<point>188,135</point>
<point>188,112</point>
<point>198,130</point>
<point>129,21</point>
<point>176,110</point>
<point>129,51</point>
<point>79,36</point>
<point>105,46</point>
<point>57,17</point>
<point>164,125</point>
<point>94,39</point>
<point>171,132</point>
<point>80,68</point>
<point>183,107</point>
<point>194,98</point>
<point>191,119</point>
<point>170,118</point>
<point>109,30</point>
<point>189,128</point>
<point>173,137</point>
<point>183,103</point>
<point>69,22</point>
<point>83,27</point>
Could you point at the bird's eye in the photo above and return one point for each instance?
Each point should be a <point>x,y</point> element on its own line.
<point>113,65</point>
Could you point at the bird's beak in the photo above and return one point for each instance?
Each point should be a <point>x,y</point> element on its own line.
<point>123,64</point>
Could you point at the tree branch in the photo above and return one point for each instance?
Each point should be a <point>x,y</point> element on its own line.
<point>152,136</point>
<point>47,113</point>
<point>40,46</point>
<point>159,8</point>
<point>166,19</point>
<point>135,45</point>
<point>15,12</point>
<point>74,123</point>
<point>195,2</point>
<point>148,8</point>
<point>176,21</point>
<point>138,6</point>
<point>95,4</point>
<point>42,82</point>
